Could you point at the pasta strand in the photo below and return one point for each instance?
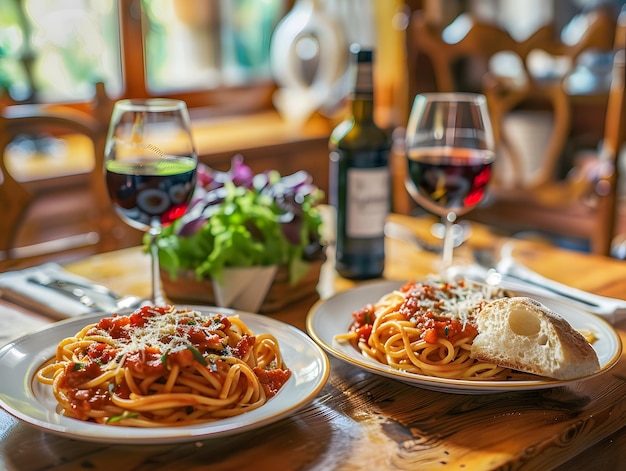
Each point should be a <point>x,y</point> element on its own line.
<point>164,367</point>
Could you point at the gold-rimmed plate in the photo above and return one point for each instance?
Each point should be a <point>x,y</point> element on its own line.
<point>330,317</point>
<point>25,398</point>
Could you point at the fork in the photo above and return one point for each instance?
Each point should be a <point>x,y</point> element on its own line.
<point>92,295</point>
<point>512,275</point>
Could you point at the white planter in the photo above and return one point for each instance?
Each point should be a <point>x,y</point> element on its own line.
<point>244,288</point>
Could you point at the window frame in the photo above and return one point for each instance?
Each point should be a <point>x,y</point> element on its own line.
<point>223,100</point>
<point>211,101</point>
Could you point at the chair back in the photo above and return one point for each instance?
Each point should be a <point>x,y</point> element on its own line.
<point>52,189</point>
<point>608,181</point>
<point>534,114</point>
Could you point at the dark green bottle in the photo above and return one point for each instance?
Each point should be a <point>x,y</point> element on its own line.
<point>360,180</point>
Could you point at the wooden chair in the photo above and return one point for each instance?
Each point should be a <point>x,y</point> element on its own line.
<point>607,184</point>
<point>575,203</point>
<point>56,217</point>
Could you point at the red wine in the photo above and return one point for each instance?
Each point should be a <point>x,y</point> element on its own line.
<point>144,189</point>
<point>449,179</point>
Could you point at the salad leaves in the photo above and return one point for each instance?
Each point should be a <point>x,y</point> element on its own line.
<point>239,219</point>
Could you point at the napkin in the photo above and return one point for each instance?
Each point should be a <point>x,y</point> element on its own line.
<point>16,287</point>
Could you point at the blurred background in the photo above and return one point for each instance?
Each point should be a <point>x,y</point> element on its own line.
<point>268,79</point>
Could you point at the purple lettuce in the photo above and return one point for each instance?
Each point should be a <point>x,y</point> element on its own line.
<point>238,218</point>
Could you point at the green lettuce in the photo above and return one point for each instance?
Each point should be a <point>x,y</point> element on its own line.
<point>237,219</point>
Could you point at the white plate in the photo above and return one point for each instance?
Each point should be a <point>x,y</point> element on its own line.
<point>333,316</point>
<point>25,398</point>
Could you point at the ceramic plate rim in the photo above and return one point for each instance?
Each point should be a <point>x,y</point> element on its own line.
<point>609,343</point>
<point>27,400</point>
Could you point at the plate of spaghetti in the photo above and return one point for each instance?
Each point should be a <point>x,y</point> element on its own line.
<point>421,333</point>
<point>160,375</point>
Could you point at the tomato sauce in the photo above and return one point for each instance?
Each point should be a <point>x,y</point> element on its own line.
<point>444,328</point>
<point>83,399</point>
<point>424,305</point>
<point>146,362</point>
<point>192,338</point>
<point>243,346</point>
<point>362,322</point>
<point>272,380</point>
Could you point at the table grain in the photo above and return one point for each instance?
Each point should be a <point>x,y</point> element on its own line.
<point>362,421</point>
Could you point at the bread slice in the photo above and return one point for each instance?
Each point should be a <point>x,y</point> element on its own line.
<point>523,334</point>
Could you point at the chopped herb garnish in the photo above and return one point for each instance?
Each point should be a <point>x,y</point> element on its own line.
<point>164,358</point>
<point>125,415</point>
<point>197,355</point>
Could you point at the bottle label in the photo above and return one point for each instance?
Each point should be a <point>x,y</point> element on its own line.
<point>367,201</point>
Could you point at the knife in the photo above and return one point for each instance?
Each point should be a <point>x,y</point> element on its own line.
<point>95,297</point>
<point>512,275</point>
<point>512,271</point>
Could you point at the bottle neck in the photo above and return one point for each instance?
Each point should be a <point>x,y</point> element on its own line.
<point>363,93</point>
<point>363,107</point>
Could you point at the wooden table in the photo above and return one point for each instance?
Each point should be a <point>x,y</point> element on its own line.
<point>364,421</point>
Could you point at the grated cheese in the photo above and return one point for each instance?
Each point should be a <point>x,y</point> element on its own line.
<point>459,300</point>
<point>161,332</point>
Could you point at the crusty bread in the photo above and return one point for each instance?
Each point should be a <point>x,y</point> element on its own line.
<point>523,334</point>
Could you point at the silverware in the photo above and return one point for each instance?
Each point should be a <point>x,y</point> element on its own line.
<point>75,293</point>
<point>512,275</point>
<point>94,296</point>
<point>501,269</point>
<point>73,285</point>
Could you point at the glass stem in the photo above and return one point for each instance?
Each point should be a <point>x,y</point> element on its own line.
<point>448,241</point>
<point>157,294</point>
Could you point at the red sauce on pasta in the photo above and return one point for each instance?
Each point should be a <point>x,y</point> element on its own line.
<point>272,380</point>
<point>425,328</point>
<point>149,347</point>
<point>430,307</point>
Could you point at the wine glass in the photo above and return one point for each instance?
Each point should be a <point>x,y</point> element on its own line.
<point>150,166</point>
<point>450,150</point>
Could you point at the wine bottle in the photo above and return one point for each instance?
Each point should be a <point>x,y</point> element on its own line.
<point>360,180</point>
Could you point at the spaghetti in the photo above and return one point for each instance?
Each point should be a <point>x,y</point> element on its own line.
<point>425,328</point>
<point>163,366</point>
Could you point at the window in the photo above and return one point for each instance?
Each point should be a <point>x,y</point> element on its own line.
<point>207,52</point>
